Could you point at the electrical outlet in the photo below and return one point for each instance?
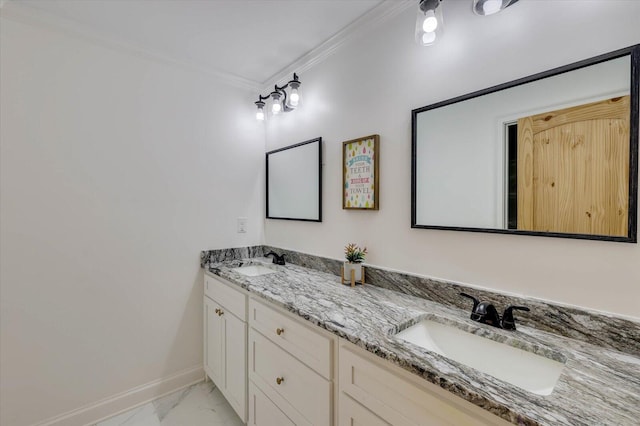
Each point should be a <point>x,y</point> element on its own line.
<point>242,225</point>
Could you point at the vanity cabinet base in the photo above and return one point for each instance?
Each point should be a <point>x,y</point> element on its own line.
<point>390,396</point>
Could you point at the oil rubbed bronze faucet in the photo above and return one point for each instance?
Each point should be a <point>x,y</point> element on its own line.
<point>508,322</point>
<point>277,259</point>
<point>486,313</point>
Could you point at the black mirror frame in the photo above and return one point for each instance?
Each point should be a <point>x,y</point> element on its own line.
<point>634,52</point>
<point>319,141</point>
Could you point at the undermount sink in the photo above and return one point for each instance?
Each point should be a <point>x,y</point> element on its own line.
<point>253,270</point>
<point>529,371</point>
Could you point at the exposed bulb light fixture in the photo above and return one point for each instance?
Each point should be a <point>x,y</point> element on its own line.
<point>428,22</point>
<point>281,101</point>
<point>294,96</point>
<point>276,103</point>
<point>260,112</point>
<point>489,7</point>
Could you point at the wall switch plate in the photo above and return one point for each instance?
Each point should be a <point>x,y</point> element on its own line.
<point>242,225</point>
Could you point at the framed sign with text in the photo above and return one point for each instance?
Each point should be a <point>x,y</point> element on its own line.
<point>360,158</point>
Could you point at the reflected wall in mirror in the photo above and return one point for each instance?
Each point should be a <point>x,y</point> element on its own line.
<point>553,154</point>
<point>294,182</point>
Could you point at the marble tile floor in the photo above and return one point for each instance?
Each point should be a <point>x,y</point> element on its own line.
<point>198,405</point>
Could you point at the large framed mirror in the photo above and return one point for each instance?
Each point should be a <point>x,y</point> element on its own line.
<point>552,154</point>
<point>294,182</point>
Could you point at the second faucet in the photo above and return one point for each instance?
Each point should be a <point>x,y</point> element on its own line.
<point>486,313</point>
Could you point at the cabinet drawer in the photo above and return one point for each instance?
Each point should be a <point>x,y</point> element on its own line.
<point>278,373</point>
<point>400,401</point>
<point>230,299</point>
<point>263,412</point>
<point>307,345</point>
<point>354,414</point>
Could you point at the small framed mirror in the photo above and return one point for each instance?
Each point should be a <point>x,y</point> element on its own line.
<point>553,154</point>
<point>294,182</point>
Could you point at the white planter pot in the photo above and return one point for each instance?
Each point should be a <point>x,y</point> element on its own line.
<point>356,267</point>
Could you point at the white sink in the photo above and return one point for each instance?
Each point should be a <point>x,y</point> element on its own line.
<point>253,270</point>
<point>526,370</point>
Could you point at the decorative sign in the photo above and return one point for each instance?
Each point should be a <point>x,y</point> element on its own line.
<point>360,173</point>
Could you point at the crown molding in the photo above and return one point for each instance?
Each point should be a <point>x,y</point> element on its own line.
<point>15,11</point>
<point>376,16</point>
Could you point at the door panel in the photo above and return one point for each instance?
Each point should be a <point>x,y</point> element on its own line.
<point>573,169</point>
<point>213,348</point>
<point>235,337</point>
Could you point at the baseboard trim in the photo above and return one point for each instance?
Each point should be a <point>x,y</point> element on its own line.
<point>121,402</point>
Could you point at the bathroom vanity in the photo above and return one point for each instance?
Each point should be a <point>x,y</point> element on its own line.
<point>306,350</point>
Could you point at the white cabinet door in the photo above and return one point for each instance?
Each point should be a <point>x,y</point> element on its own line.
<point>235,362</point>
<point>213,342</point>
<point>225,343</point>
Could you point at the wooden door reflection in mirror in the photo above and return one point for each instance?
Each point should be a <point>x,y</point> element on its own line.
<point>573,169</point>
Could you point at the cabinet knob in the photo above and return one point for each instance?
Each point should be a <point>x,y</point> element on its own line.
<point>279,331</point>
<point>279,380</point>
<point>220,312</point>
<point>217,311</point>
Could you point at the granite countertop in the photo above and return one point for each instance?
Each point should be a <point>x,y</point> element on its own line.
<point>597,386</point>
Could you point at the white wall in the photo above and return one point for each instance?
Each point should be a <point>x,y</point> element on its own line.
<point>371,84</point>
<point>116,171</point>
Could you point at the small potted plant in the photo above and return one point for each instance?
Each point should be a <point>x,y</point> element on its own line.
<point>355,256</point>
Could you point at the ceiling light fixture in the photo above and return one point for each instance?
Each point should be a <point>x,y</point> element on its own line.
<point>281,101</point>
<point>428,22</point>
<point>489,7</point>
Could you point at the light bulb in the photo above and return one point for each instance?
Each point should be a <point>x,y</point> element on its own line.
<point>430,22</point>
<point>428,38</point>
<point>276,104</point>
<point>260,111</point>
<point>491,6</point>
<point>294,98</point>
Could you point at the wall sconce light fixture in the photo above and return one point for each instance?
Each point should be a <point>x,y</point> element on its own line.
<point>429,25</point>
<point>281,100</point>
<point>489,7</point>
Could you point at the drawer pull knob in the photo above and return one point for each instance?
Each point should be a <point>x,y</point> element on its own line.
<point>279,331</point>
<point>279,380</point>
<point>220,312</point>
<point>217,311</point>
